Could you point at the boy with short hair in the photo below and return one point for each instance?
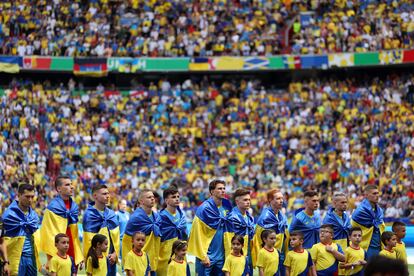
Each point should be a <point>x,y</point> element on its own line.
<point>399,228</point>
<point>389,239</point>
<point>326,254</point>
<point>298,261</point>
<point>61,264</point>
<point>355,256</point>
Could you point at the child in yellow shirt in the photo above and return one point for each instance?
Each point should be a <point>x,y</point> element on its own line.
<point>268,257</point>
<point>61,264</point>
<point>96,264</point>
<point>178,266</point>
<point>389,239</point>
<point>136,261</point>
<point>236,263</point>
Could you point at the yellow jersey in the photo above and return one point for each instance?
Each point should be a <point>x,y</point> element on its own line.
<point>176,268</point>
<point>299,263</point>
<point>353,255</point>
<point>389,254</point>
<point>401,251</point>
<point>326,264</point>
<point>137,263</point>
<point>62,266</point>
<point>268,260</point>
<point>236,265</point>
<point>102,270</point>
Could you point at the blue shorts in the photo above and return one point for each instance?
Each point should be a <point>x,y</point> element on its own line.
<point>215,268</point>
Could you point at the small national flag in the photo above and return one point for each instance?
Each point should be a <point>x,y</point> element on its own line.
<point>341,60</point>
<point>252,63</point>
<point>92,67</point>
<point>200,64</point>
<point>390,57</point>
<point>292,62</point>
<point>10,64</point>
<point>129,65</point>
<point>314,61</point>
<point>408,56</point>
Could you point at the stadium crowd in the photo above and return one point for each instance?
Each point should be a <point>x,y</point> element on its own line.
<point>326,135</point>
<point>201,28</point>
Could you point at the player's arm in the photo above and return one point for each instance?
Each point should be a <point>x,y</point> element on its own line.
<point>312,270</point>
<point>51,274</point>
<point>287,271</point>
<point>3,255</point>
<point>226,273</point>
<point>131,273</point>
<point>261,271</point>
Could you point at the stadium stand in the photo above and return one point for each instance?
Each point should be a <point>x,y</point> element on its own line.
<point>202,28</point>
<point>329,135</point>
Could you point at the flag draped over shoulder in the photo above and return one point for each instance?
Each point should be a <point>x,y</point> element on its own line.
<point>205,224</point>
<point>340,225</point>
<point>16,226</point>
<point>240,225</point>
<point>91,67</point>
<point>170,232</point>
<point>269,220</point>
<point>309,226</point>
<point>94,222</point>
<point>149,225</point>
<point>366,218</point>
<point>56,220</point>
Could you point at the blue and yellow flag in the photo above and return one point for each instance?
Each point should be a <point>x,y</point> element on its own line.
<point>269,220</point>
<point>308,225</point>
<point>367,219</point>
<point>106,223</point>
<point>57,219</point>
<point>340,225</point>
<point>205,224</point>
<point>17,226</point>
<point>172,228</point>
<point>149,225</point>
<point>240,225</point>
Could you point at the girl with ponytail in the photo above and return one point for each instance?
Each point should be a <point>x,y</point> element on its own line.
<point>177,265</point>
<point>96,263</point>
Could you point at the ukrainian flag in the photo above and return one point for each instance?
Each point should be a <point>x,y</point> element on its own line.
<point>341,226</point>
<point>17,225</point>
<point>269,220</point>
<point>243,226</point>
<point>96,223</point>
<point>171,230</point>
<point>366,218</point>
<point>10,64</point>
<point>205,224</point>
<point>140,221</point>
<point>57,219</point>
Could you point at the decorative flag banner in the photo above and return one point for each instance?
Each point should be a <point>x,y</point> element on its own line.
<point>341,60</point>
<point>256,63</point>
<point>10,64</point>
<point>292,62</point>
<point>390,57</point>
<point>125,65</point>
<point>408,56</point>
<point>309,62</point>
<point>227,63</point>
<point>362,59</point>
<point>200,64</point>
<point>91,67</point>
